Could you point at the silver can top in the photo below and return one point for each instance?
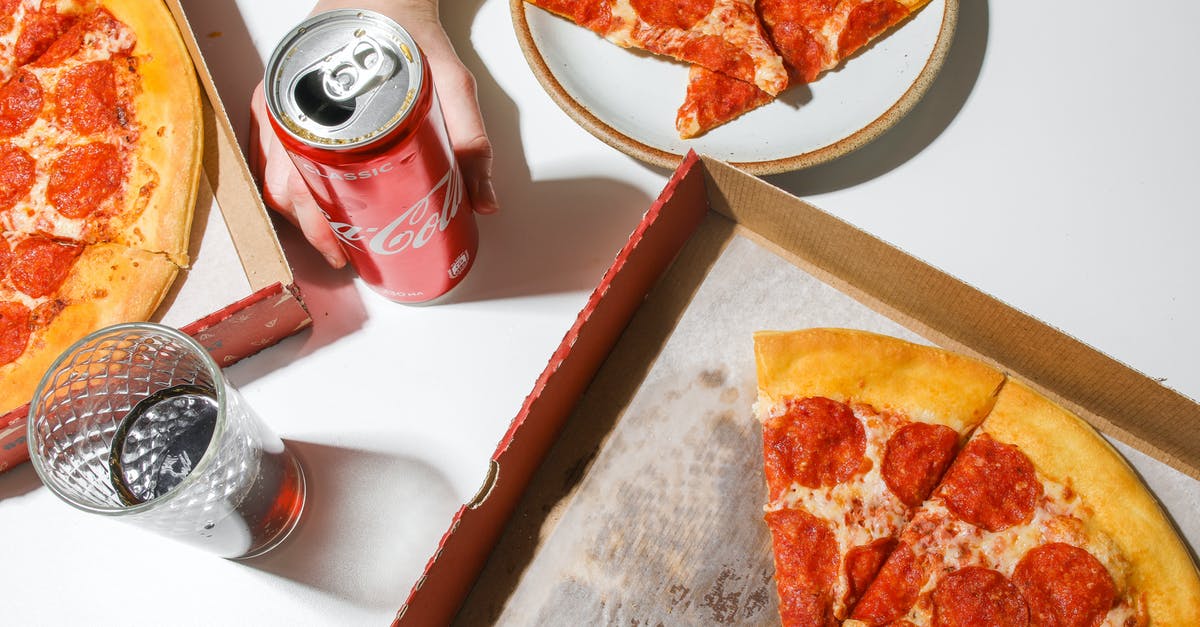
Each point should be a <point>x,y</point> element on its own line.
<point>343,78</point>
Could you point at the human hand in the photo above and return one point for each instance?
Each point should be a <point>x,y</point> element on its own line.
<point>284,190</point>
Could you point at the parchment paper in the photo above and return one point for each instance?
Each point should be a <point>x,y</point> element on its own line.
<point>665,527</point>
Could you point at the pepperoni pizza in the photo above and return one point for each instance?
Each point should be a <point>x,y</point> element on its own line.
<point>812,36</point>
<point>911,486</point>
<point>722,35</point>
<point>100,138</point>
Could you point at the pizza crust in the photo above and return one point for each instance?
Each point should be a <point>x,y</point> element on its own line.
<point>166,165</point>
<point>921,382</point>
<point>1067,450</point>
<point>108,284</point>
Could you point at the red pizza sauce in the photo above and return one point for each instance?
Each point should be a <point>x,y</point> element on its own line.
<point>719,97</point>
<point>20,103</point>
<point>713,53</point>
<point>815,442</point>
<point>1065,586</point>
<point>806,560</point>
<point>5,259</point>
<point>681,14</point>
<point>593,15</point>
<point>14,331</point>
<point>866,21</point>
<point>991,485</point>
<point>974,596</point>
<point>17,170</point>
<point>39,265</point>
<point>915,458</point>
<point>83,177</point>
<point>894,590</point>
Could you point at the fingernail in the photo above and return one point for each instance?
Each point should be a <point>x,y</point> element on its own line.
<point>336,262</point>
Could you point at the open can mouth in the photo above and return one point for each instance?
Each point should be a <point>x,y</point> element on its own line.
<point>342,78</point>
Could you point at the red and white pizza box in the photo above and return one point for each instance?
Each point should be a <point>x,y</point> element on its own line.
<point>628,488</point>
<point>238,295</point>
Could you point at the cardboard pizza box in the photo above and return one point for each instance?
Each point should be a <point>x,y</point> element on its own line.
<point>628,487</point>
<point>238,295</point>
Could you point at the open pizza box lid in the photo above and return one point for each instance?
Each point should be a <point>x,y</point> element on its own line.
<point>238,295</point>
<point>629,487</point>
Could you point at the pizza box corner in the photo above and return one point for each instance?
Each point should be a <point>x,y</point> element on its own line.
<point>590,390</point>
<point>232,236</point>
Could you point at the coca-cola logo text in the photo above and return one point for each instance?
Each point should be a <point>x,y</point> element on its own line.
<point>414,226</point>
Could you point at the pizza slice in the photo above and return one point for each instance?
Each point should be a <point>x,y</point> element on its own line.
<point>1038,521</point>
<point>857,430</point>
<point>722,35</point>
<point>812,36</point>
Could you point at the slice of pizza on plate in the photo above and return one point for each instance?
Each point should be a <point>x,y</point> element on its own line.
<point>1038,521</point>
<point>812,36</point>
<point>724,36</point>
<point>857,430</point>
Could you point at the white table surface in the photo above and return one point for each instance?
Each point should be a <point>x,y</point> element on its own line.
<point>1052,164</point>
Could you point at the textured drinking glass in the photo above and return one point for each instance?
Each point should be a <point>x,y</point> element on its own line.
<point>137,422</point>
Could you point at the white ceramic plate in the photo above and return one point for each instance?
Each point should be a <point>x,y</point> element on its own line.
<point>628,98</point>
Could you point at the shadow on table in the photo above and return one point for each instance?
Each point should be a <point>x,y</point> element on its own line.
<point>236,68</point>
<point>370,523</point>
<point>923,124</point>
<point>18,481</point>
<point>550,236</point>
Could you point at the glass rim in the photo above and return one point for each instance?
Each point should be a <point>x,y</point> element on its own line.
<point>219,385</point>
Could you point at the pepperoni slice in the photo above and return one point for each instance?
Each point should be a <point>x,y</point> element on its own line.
<point>86,98</point>
<point>817,441</point>
<point>991,485</point>
<point>83,177</point>
<point>681,14</point>
<point>39,30</point>
<point>17,170</point>
<point>20,103</point>
<point>894,590</point>
<point>862,564</point>
<point>915,458</point>
<point>806,559</point>
<point>14,331</point>
<point>40,265</point>
<point>1065,586</point>
<point>99,23</point>
<point>866,21</point>
<point>5,258</point>
<point>792,27</point>
<point>978,596</point>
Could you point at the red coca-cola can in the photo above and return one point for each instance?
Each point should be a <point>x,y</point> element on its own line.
<point>351,98</point>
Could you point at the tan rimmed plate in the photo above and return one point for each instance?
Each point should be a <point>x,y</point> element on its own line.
<point>628,98</point>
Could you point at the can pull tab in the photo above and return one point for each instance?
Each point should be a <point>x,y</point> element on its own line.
<point>355,69</point>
